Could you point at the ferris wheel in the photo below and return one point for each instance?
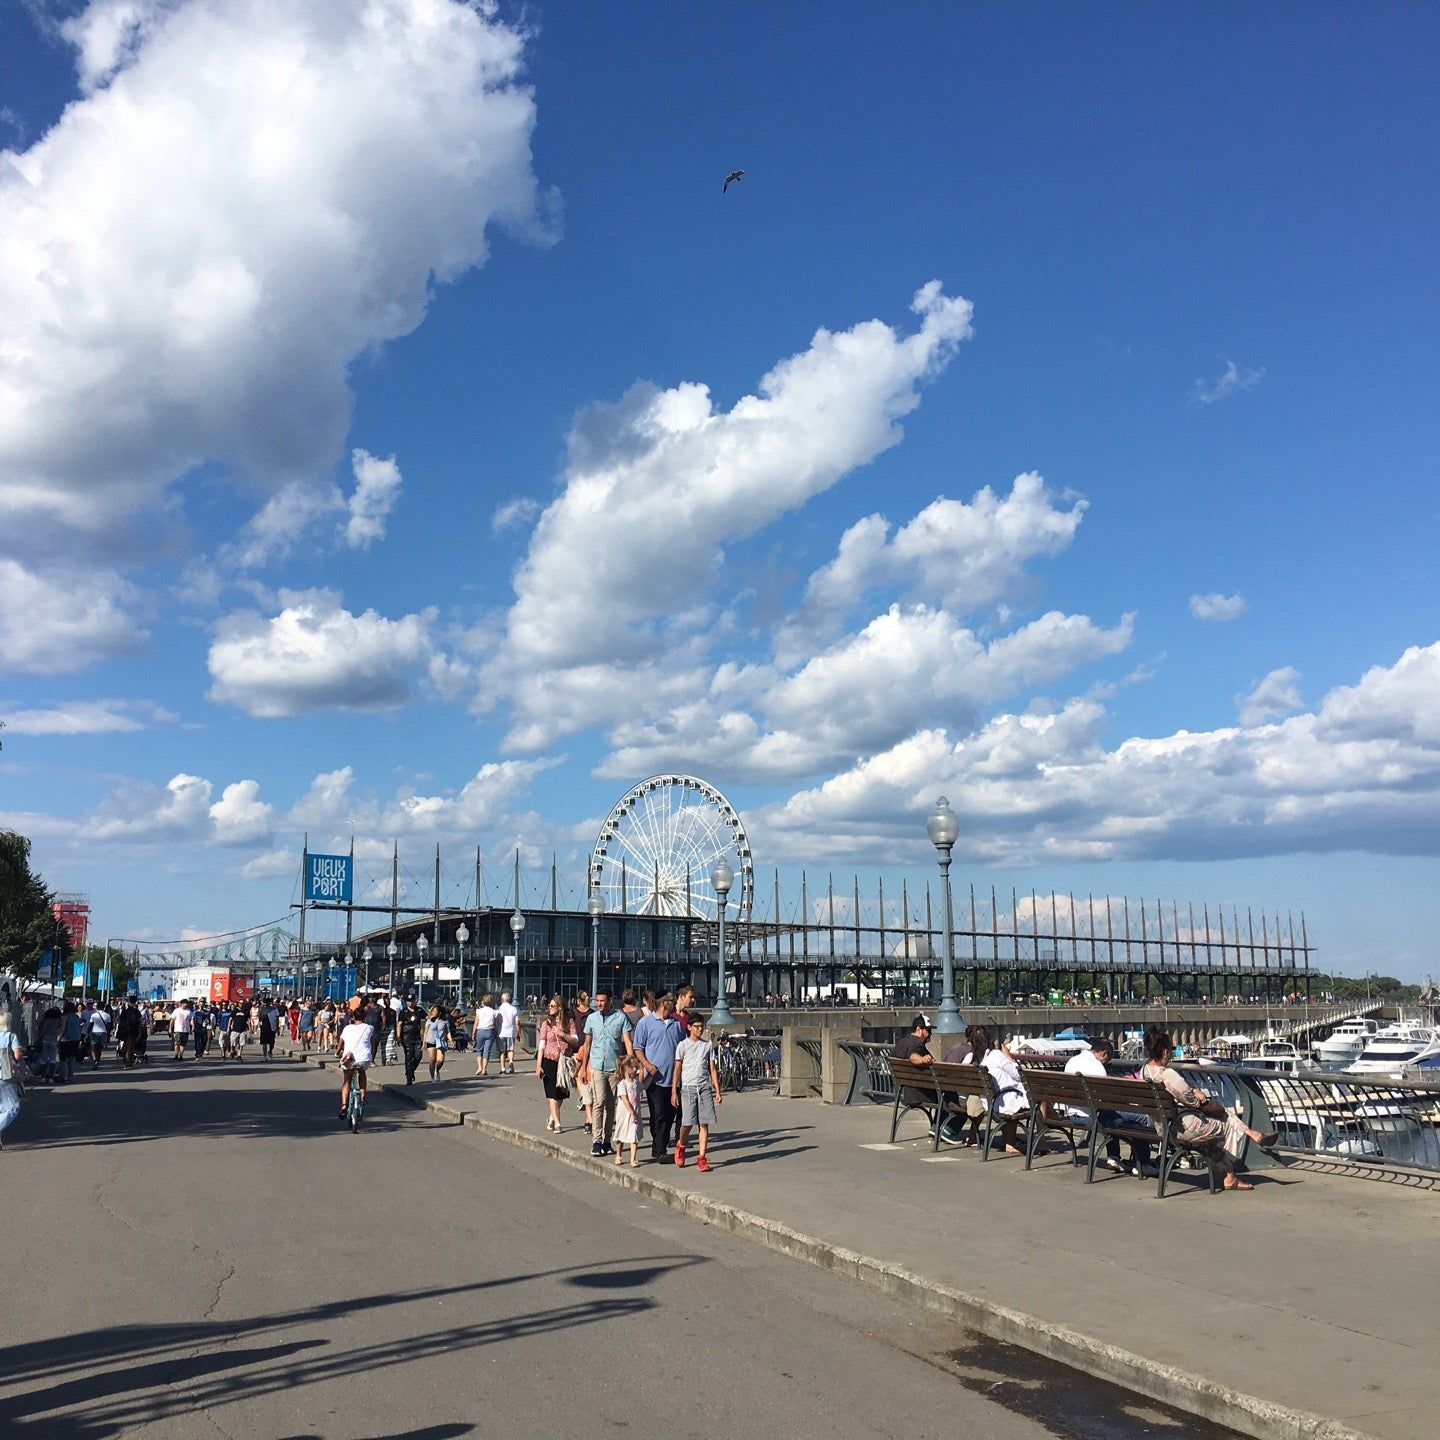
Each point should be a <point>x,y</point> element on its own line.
<point>657,847</point>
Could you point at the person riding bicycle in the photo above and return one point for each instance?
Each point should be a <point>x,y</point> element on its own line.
<point>357,1052</point>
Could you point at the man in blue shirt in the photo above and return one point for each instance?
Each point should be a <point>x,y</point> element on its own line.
<point>656,1037</point>
<point>607,1037</point>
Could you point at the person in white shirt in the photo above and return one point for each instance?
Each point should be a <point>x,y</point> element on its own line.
<point>486,1019</point>
<point>505,1038</point>
<point>180,1023</point>
<point>1092,1062</point>
<point>96,1034</point>
<point>357,1053</point>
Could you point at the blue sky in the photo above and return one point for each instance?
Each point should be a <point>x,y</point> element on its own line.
<point>1199,251</point>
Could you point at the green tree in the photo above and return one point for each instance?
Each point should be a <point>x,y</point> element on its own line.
<point>28,926</point>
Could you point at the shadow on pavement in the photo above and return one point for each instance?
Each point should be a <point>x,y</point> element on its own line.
<point>113,1106</point>
<point>103,1383</point>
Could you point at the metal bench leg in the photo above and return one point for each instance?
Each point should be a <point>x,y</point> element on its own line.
<point>895,1118</point>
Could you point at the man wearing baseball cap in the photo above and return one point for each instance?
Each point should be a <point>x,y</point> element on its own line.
<point>915,1047</point>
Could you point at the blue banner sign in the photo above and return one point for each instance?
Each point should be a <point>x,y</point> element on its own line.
<point>327,878</point>
<point>339,983</point>
<point>80,974</point>
<point>104,982</point>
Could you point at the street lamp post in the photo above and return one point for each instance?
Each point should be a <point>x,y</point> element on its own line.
<point>944,829</point>
<point>422,944</point>
<point>721,877</point>
<point>517,928</point>
<point>597,909</point>
<point>462,934</point>
<point>392,950</point>
<point>367,955</point>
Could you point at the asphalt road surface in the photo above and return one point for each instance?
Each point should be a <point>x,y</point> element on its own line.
<point>203,1249</point>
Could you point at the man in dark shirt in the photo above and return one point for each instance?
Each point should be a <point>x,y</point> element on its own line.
<point>409,1032</point>
<point>915,1047</point>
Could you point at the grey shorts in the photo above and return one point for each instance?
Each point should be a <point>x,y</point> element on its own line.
<point>697,1107</point>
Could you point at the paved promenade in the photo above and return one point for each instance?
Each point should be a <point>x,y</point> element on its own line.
<point>1315,1292</point>
<point>198,1249</point>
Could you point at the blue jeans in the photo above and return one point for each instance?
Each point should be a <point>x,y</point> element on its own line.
<point>1139,1150</point>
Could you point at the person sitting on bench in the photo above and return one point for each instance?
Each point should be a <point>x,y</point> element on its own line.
<point>1206,1127</point>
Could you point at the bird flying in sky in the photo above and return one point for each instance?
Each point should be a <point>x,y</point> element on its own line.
<point>731,178</point>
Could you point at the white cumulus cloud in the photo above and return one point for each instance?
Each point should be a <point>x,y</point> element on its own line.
<point>1276,695</point>
<point>51,625</point>
<point>1218,607</point>
<point>314,655</point>
<point>239,816</point>
<point>664,473</point>
<point>514,514</point>
<point>910,666</point>
<point>1360,772</point>
<point>1232,380</point>
<point>248,196</point>
<point>87,717</point>
<point>964,555</point>
<point>376,494</point>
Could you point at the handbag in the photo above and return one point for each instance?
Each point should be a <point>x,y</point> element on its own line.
<point>564,1071</point>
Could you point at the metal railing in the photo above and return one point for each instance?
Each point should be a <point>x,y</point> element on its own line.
<point>1351,1121</point>
<point>811,1050</point>
<point>870,1078</point>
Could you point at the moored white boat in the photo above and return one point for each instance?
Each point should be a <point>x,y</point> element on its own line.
<point>1274,1057</point>
<point>1399,1052</point>
<point>1344,1043</point>
<point>1226,1050</point>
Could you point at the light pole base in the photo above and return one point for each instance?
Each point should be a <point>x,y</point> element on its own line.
<point>948,1019</point>
<point>720,1016</point>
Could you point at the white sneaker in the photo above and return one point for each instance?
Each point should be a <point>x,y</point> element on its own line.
<point>1118,1166</point>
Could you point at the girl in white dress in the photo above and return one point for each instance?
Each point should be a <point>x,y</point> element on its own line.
<point>627,1111</point>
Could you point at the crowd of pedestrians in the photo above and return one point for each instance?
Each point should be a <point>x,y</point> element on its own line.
<point>648,1055</point>
<point>637,1069</point>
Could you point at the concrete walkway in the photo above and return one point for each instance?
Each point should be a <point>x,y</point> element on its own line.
<point>1315,1292</point>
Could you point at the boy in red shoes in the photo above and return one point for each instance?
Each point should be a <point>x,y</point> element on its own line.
<point>695,1088</point>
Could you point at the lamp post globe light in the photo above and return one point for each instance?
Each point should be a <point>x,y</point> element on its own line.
<point>391,951</point>
<point>722,877</point>
<point>596,906</point>
<point>943,827</point>
<point>462,935</point>
<point>422,944</point>
<point>517,928</point>
<point>367,955</point>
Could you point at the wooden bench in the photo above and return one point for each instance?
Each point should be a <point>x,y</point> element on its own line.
<point>1053,1095</point>
<point>913,1080</point>
<point>1160,1126</point>
<point>963,1082</point>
